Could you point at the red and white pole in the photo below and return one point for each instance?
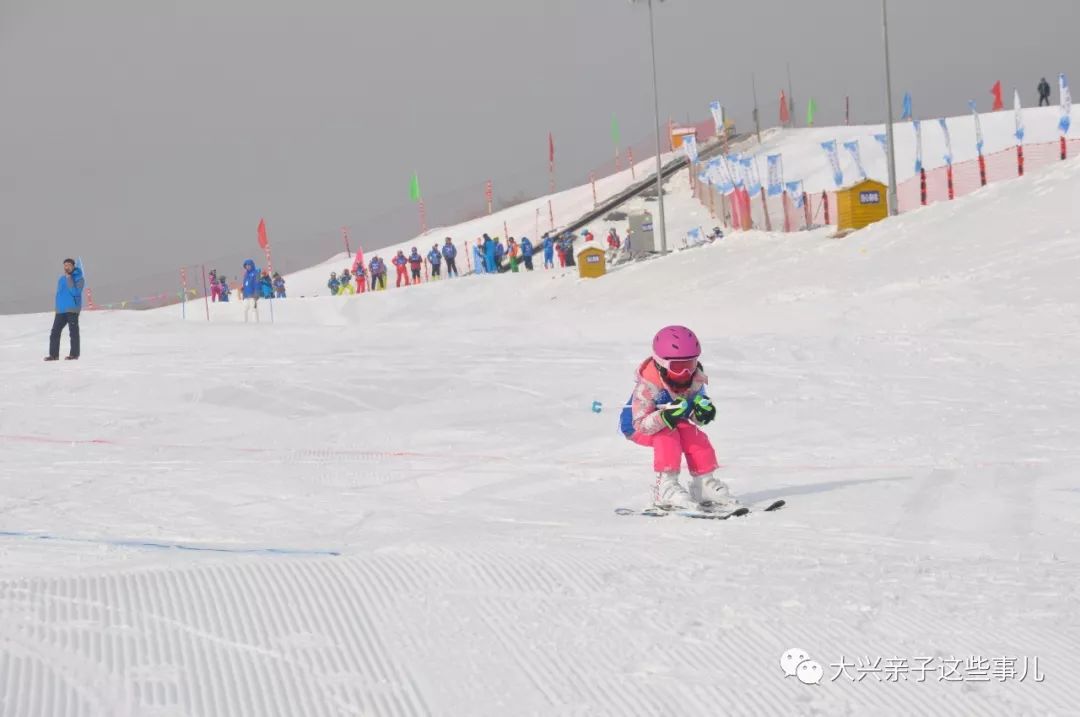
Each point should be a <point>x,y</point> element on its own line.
<point>206,292</point>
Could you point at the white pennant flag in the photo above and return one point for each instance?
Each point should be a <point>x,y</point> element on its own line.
<point>1066,105</point>
<point>948,140</point>
<point>917,124</point>
<point>833,156</point>
<point>1019,110</point>
<point>718,116</point>
<point>690,147</point>
<point>856,155</point>
<point>776,174</point>
<point>979,142</point>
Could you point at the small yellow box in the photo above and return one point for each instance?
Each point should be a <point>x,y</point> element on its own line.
<point>861,205</point>
<point>592,262</point>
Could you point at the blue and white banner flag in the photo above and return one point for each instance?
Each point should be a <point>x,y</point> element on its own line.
<point>1018,109</point>
<point>776,174</point>
<point>1066,105</point>
<point>721,175</point>
<point>948,140</point>
<point>735,166</point>
<point>918,146</point>
<point>834,161</point>
<point>853,149</point>
<point>750,172</point>
<point>718,116</point>
<point>979,142</point>
<point>883,140</point>
<point>795,189</point>
<point>907,107</point>
<point>690,147</point>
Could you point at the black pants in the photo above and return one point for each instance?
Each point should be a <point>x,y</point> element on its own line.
<point>1044,100</point>
<point>415,275</point>
<point>528,263</point>
<point>435,269</point>
<point>451,267</point>
<point>62,320</point>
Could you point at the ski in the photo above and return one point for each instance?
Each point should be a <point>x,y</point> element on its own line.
<point>654,512</point>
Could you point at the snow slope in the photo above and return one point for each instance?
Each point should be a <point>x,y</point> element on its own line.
<point>528,219</point>
<point>440,497</point>
<point>805,160</point>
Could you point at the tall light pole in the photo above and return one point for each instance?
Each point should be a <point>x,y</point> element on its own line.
<point>894,208</point>
<point>757,115</point>
<point>656,109</point>
<point>790,97</point>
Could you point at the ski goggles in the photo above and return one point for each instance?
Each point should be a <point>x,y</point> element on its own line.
<point>678,369</point>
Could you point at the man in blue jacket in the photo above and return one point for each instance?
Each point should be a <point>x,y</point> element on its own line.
<point>489,255</point>
<point>527,253</point>
<point>434,258</point>
<point>549,252</point>
<point>449,252</point>
<point>68,305</point>
<point>251,289</point>
<point>479,262</point>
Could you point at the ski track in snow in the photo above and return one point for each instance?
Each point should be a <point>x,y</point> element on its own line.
<point>911,391</point>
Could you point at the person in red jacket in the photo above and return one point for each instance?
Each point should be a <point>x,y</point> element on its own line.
<point>613,240</point>
<point>416,263</point>
<point>361,277</point>
<point>402,268</point>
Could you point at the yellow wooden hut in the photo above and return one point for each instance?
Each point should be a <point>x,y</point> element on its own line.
<point>860,205</point>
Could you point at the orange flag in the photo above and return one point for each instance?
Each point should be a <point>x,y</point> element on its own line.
<point>263,241</point>
<point>999,103</point>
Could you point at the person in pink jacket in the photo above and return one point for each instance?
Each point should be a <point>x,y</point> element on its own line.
<point>666,412</point>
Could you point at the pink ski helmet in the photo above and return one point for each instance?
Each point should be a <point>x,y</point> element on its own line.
<point>675,352</point>
<point>676,342</point>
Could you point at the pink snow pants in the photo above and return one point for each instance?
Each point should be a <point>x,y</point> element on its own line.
<point>670,444</point>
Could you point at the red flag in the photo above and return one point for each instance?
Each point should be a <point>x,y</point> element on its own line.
<point>785,115</point>
<point>359,260</point>
<point>999,103</point>
<point>551,149</point>
<point>263,241</point>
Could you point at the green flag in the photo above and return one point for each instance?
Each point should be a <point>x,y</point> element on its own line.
<point>414,188</point>
<point>811,110</point>
<point>615,130</point>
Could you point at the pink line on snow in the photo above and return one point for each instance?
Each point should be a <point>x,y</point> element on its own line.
<point>59,441</point>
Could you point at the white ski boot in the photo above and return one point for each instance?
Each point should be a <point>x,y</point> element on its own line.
<point>712,494</point>
<point>668,494</point>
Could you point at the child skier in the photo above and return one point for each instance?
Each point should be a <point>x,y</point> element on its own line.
<point>666,410</point>
<point>345,283</point>
<point>402,263</point>
<point>416,263</point>
<point>434,258</point>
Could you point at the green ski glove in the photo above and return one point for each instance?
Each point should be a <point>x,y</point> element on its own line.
<point>672,413</point>
<point>704,410</point>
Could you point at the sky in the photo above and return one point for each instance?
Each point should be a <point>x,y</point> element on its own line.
<point>145,135</point>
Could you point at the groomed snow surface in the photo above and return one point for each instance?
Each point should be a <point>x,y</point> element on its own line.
<point>401,503</point>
